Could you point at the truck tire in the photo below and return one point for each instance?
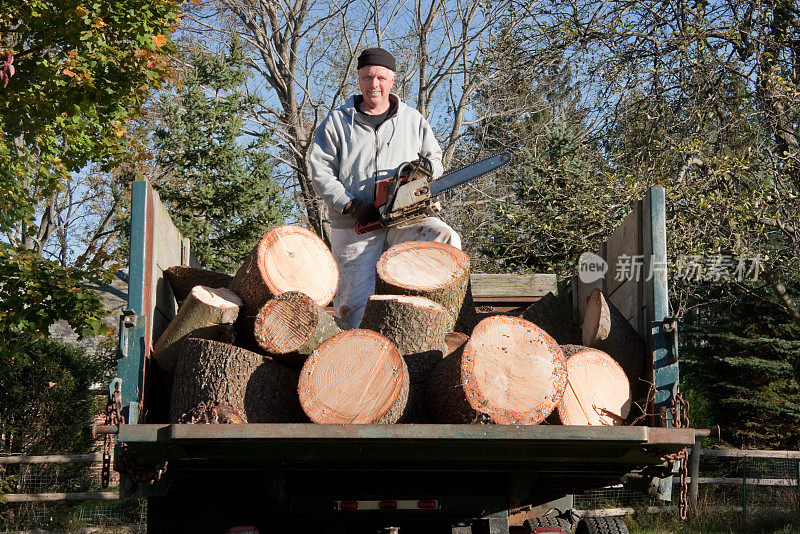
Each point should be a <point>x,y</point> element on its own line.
<point>601,525</point>
<point>548,521</point>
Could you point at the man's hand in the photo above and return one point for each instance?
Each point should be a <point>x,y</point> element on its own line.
<point>363,212</point>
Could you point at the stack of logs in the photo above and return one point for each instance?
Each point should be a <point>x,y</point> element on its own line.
<point>260,346</point>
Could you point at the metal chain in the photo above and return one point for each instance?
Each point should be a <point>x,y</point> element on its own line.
<point>680,419</point>
<point>129,464</point>
<point>113,418</point>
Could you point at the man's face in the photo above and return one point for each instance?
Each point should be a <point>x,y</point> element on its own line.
<point>375,83</point>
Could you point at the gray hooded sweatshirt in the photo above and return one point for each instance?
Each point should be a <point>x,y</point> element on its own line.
<point>349,155</point>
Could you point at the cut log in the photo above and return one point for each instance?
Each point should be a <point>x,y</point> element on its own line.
<point>288,258</point>
<point>293,325</point>
<point>357,376</point>
<point>509,372</point>
<point>415,325</point>
<point>199,316</point>
<point>183,278</point>
<point>597,393</point>
<point>209,373</point>
<point>436,271</point>
<point>549,314</point>
<point>605,328</point>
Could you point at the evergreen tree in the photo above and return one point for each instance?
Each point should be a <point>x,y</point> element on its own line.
<point>216,175</point>
<point>736,365</point>
<point>556,200</point>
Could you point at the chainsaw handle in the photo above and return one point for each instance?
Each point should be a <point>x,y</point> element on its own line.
<point>366,228</point>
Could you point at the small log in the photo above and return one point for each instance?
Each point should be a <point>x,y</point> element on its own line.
<point>549,314</point>
<point>199,316</point>
<point>436,271</point>
<point>597,393</point>
<point>293,325</point>
<point>605,328</point>
<point>209,373</point>
<point>357,376</point>
<point>183,278</point>
<point>288,258</point>
<point>415,325</point>
<point>509,372</point>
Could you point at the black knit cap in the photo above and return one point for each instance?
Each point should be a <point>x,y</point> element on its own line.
<point>377,56</point>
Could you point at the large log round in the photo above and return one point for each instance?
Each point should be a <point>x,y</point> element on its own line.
<point>437,271</point>
<point>210,373</point>
<point>605,328</point>
<point>597,393</point>
<point>200,315</point>
<point>509,372</point>
<point>288,258</point>
<point>415,325</point>
<point>293,324</point>
<point>357,376</point>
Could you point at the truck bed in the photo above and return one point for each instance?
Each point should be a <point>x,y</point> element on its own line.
<point>471,469</point>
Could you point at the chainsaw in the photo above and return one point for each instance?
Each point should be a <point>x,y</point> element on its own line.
<point>410,193</point>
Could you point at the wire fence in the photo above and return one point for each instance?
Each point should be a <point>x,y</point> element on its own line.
<point>743,481</point>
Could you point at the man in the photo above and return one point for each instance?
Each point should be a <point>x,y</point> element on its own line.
<point>362,141</point>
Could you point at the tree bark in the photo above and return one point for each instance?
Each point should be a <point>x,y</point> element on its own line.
<point>199,315</point>
<point>597,393</point>
<point>549,314</point>
<point>605,328</point>
<point>415,325</point>
<point>293,325</point>
<point>357,376</point>
<point>509,372</point>
<point>183,278</point>
<point>436,271</point>
<point>212,373</point>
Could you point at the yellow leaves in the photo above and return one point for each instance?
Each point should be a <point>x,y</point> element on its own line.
<point>69,73</point>
<point>119,129</point>
<point>98,23</point>
<point>81,11</point>
<point>158,41</point>
<point>196,2</point>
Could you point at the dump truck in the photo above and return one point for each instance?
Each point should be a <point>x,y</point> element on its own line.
<point>371,478</point>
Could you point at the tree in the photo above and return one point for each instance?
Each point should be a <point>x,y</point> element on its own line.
<point>46,402</point>
<point>556,200</point>
<point>72,75</point>
<point>214,178</point>
<point>305,52</point>
<point>736,363</point>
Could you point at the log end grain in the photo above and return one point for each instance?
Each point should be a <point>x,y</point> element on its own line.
<point>596,319</point>
<point>357,376</point>
<point>512,371</point>
<point>183,278</point>
<point>292,322</point>
<point>597,393</point>
<point>292,258</point>
<point>422,266</point>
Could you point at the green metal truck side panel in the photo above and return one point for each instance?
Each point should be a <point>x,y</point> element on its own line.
<point>133,329</point>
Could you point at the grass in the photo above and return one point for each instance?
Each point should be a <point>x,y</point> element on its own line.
<point>708,520</point>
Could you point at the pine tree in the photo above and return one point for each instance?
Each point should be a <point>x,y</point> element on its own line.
<point>736,362</point>
<point>217,175</point>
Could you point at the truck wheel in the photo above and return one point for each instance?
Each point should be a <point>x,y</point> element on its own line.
<point>548,521</point>
<point>601,525</point>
